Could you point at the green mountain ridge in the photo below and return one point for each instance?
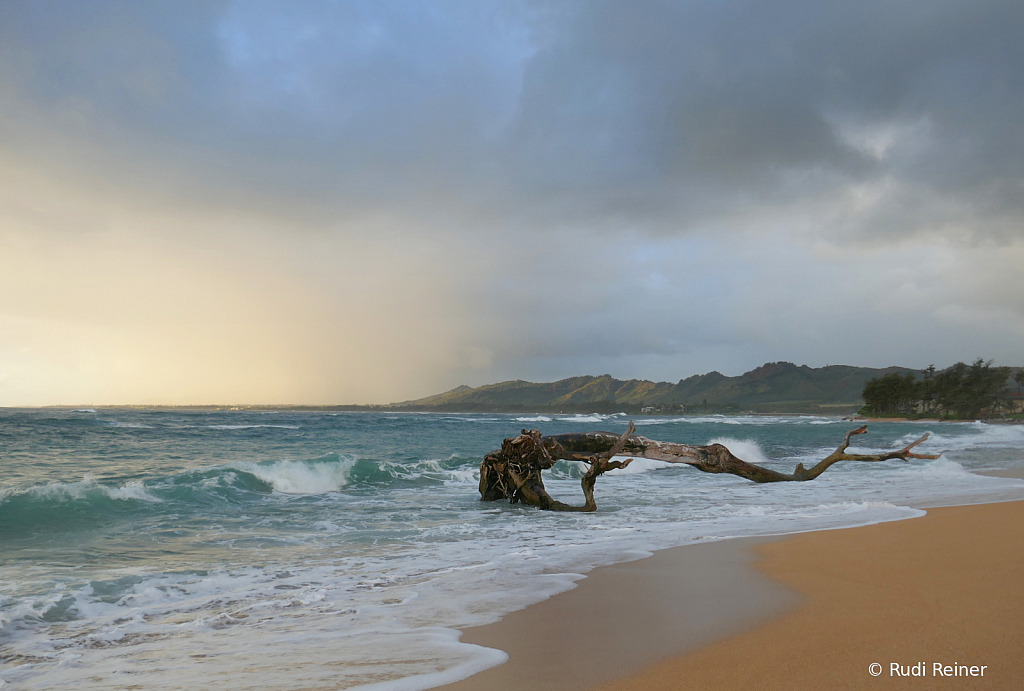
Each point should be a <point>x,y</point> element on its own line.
<point>772,387</point>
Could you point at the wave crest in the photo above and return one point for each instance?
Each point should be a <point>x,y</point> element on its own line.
<point>88,489</point>
<point>746,449</point>
<point>318,476</point>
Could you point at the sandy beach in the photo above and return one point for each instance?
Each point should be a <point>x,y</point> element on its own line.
<point>808,611</point>
<point>626,617</point>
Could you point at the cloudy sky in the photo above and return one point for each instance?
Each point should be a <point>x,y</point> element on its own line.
<point>361,202</point>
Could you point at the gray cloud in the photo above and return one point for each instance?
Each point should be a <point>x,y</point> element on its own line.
<point>663,112</point>
<point>650,189</point>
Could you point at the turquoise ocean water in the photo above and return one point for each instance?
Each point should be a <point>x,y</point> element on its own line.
<point>291,550</point>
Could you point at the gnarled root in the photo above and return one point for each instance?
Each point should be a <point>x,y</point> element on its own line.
<point>514,471</point>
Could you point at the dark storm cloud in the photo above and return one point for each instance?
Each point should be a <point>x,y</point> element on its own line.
<point>718,104</point>
<point>670,114</point>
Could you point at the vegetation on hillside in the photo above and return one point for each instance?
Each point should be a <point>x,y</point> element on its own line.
<point>964,392</point>
<point>772,387</point>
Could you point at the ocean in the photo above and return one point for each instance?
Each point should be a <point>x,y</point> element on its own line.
<point>181,549</point>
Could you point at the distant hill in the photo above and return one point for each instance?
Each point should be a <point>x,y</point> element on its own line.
<point>772,387</point>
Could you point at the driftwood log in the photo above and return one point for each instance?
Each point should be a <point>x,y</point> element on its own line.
<point>513,472</point>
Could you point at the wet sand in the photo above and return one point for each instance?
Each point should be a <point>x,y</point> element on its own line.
<point>623,618</point>
<point>1017,473</point>
<point>814,611</point>
<point>947,588</point>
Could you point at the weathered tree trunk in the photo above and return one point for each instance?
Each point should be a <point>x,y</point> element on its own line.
<point>514,471</point>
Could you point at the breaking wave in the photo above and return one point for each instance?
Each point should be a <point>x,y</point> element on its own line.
<point>746,449</point>
<point>327,474</point>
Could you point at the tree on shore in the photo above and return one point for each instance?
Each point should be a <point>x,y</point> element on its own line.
<point>961,391</point>
<point>926,391</point>
<point>513,472</point>
<point>893,393</point>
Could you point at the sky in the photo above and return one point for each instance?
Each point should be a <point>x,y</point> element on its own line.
<point>367,202</point>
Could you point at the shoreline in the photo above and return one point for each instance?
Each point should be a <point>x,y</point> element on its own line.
<point>624,617</point>
<point>941,589</point>
<point>781,612</point>
<point>987,421</point>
